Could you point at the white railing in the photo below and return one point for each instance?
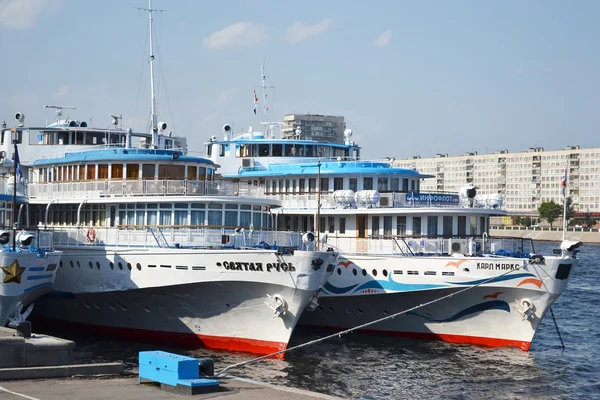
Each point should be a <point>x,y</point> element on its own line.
<point>126,188</point>
<point>408,246</point>
<point>386,200</point>
<point>152,237</point>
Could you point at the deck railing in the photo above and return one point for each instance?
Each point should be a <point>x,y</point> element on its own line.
<point>153,237</point>
<point>126,188</point>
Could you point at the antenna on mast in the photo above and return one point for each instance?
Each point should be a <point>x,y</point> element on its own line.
<point>154,126</point>
<point>265,109</point>
<point>59,110</point>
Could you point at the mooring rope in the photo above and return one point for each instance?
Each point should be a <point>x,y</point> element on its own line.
<point>562,343</point>
<point>339,334</point>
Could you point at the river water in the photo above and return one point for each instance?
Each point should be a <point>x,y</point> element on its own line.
<point>361,366</point>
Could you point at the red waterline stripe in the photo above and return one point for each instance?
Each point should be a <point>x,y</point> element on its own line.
<point>174,339</point>
<point>451,338</point>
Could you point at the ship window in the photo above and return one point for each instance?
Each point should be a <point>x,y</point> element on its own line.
<point>367,183</point>
<point>312,185</point>
<point>148,171</point>
<point>301,185</point>
<point>171,171</point>
<point>331,221</point>
<point>198,205</point>
<point>343,226</point>
<point>447,226</point>
<point>91,172</point>
<point>353,184</point>
<point>395,184</point>
<point>387,226</point>
<point>103,171</point>
<point>310,151</point>
<point>401,225</point>
<point>116,171</point>
<point>263,150</point>
<point>197,218</point>
<point>382,184</point>
<point>231,218</point>
<point>324,184</point>
<point>192,173</point>
<point>375,225</point>
<point>82,172</point>
<point>338,183</point>
<point>277,150</point>
<point>405,185</point>
<point>245,207</point>
<point>201,173</point>
<point>181,217</point>
<point>215,218</point>
<point>432,225</point>
<point>289,150</point>
<point>462,226</point>
<point>416,226</point>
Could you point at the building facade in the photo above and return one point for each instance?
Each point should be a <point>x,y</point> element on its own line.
<point>525,179</point>
<point>322,128</point>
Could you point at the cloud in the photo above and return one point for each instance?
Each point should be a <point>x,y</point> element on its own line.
<point>20,14</point>
<point>62,92</point>
<point>301,31</point>
<point>238,34</point>
<point>384,39</point>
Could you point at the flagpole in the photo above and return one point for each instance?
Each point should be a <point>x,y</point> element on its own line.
<point>14,213</point>
<point>564,206</point>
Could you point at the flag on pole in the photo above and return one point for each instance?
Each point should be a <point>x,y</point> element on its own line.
<point>563,183</point>
<point>255,101</point>
<point>18,164</point>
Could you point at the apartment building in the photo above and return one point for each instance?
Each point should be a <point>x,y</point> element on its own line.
<point>322,128</point>
<point>526,179</point>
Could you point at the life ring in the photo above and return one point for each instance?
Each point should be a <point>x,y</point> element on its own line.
<point>91,235</point>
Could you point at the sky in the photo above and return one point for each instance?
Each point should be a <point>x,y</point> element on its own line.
<point>411,78</point>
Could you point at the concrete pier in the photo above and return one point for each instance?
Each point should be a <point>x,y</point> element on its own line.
<point>43,356</point>
<point>129,389</point>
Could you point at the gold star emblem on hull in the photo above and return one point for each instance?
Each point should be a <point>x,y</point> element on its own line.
<point>13,273</point>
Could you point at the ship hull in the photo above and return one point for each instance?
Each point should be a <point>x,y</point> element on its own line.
<point>222,299</point>
<point>24,282</point>
<point>463,308</point>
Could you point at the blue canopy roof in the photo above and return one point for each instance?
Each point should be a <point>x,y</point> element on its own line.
<point>327,168</point>
<point>121,154</point>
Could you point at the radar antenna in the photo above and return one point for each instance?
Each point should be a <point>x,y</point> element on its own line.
<point>59,110</point>
<point>115,120</point>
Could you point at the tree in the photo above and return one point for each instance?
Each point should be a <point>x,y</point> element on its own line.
<point>570,211</point>
<point>550,211</point>
<point>524,221</point>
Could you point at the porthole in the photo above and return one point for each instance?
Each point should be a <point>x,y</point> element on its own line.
<point>111,265</point>
<point>331,309</point>
<point>374,272</point>
<point>129,266</point>
<point>228,305</point>
<point>466,270</point>
<point>120,266</point>
<point>386,312</point>
<point>97,265</point>
<point>97,306</point>
<point>339,271</point>
<point>321,308</point>
<point>139,266</point>
<point>354,271</point>
<point>385,272</point>
<point>78,265</point>
<point>91,265</point>
<point>364,272</point>
<point>124,308</point>
<point>71,262</point>
<point>60,264</point>
<point>112,307</point>
<point>146,309</point>
<point>359,310</point>
<point>87,305</point>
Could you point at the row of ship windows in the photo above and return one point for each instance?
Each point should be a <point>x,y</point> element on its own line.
<point>138,266</point>
<point>396,272</point>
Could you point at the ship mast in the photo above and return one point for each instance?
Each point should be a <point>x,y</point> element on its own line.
<point>265,109</point>
<point>154,123</point>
